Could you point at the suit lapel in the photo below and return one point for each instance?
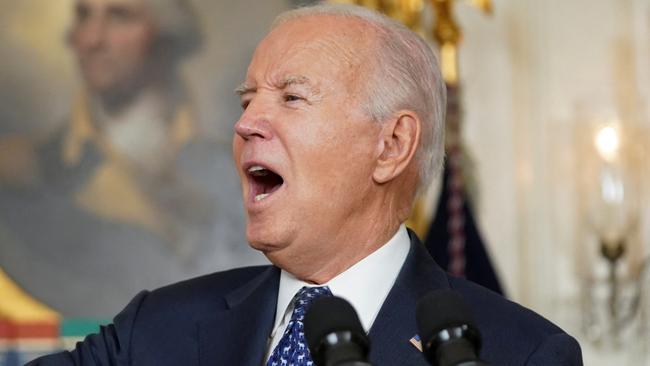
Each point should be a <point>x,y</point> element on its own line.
<point>238,335</point>
<point>395,324</point>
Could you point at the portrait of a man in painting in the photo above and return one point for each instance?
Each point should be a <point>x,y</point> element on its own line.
<point>128,191</point>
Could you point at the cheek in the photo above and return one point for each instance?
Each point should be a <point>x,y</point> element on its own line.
<point>339,163</point>
<point>237,146</point>
<point>133,44</point>
<point>80,40</point>
<point>73,39</point>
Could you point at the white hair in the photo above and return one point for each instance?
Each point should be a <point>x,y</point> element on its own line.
<point>407,77</point>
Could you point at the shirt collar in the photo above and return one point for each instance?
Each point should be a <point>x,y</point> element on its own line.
<point>365,285</point>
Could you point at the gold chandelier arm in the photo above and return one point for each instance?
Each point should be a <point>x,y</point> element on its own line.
<point>484,5</point>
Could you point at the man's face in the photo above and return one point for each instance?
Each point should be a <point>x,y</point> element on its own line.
<point>304,146</point>
<point>112,40</point>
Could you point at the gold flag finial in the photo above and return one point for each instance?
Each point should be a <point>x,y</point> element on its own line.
<point>447,33</point>
<point>484,5</point>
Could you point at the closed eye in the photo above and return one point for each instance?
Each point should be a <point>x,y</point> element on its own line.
<point>291,98</point>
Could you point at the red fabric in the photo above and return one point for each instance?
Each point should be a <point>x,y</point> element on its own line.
<point>15,330</point>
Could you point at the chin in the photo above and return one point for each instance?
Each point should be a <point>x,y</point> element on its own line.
<point>265,238</point>
<point>99,86</point>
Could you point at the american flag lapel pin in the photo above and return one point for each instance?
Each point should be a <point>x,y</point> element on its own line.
<point>416,342</point>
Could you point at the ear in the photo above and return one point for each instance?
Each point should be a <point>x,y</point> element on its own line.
<point>399,141</point>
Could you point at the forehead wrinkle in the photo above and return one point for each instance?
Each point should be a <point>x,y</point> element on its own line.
<point>326,49</point>
<point>350,43</point>
<point>333,45</point>
<point>338,35</point>
<point>335,49</point>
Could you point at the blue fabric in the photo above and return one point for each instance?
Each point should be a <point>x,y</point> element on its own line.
<point>226,318</point>
<point>478,266</point>
<point>292,349</point>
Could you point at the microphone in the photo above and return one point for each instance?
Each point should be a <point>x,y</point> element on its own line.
<point>449,336</point>
<point>334,334</point>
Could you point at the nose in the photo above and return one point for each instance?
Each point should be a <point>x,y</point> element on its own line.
<point>254,123</point>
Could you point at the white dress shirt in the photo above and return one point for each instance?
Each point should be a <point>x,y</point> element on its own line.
<point>365,285</point>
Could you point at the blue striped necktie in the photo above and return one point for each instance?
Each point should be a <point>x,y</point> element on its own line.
<point>292,349</point>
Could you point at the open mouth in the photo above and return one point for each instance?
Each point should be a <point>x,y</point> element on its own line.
<point>263,181</point>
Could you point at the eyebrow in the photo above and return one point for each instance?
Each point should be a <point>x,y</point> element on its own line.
<point>244,88</point>
<point>295,80</point>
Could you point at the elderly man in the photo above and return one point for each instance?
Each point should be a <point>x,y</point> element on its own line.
<point>342,121</point>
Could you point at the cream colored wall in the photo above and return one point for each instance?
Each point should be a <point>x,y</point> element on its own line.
<point>535,73</point>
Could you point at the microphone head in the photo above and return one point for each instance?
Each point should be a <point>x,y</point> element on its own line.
<point>441,309</point>
<point>442,318</point>
<point>333,332</point>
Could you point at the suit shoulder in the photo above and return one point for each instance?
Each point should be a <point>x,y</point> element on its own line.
<point>492,308</point>
<point>206,291</point>
<point>504,324</point>
<point>214,283</point>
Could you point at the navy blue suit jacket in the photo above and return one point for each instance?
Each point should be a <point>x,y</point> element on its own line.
<point>225,319</point>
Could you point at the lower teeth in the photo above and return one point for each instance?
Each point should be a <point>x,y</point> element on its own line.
<point>260,197</point>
